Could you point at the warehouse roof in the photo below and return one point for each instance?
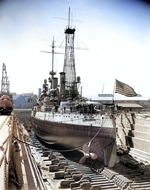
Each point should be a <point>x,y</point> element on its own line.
<point>129,105</point>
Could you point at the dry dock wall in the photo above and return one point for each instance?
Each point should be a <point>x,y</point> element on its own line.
<point>133,131</point>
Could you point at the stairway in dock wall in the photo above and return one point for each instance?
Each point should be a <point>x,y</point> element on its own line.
<point>133,131</point>
<point>140,135</point>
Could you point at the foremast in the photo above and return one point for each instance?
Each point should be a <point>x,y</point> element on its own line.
<point>69,60</point>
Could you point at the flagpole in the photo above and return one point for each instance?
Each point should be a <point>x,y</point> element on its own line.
<point>114,90</point>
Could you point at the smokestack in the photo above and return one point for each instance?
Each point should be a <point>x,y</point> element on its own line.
<point>54,82</point>
<point>81,90</point>
<point>39,92</point>
<point>62,81</point>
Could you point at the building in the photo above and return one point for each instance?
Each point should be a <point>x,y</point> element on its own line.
<point>24,101</point>
<point>121,102</point>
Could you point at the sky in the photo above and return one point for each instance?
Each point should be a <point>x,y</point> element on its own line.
<point>116,33</point>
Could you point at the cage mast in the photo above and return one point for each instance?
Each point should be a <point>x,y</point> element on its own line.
<point>69,60</point>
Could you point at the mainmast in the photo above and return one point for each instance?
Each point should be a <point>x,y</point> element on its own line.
<point>69,60</point>
<point>52,73</point>
<point>69,18</point>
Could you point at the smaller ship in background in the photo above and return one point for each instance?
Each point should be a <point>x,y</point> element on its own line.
<point>62,117</point>
<point>6,105</point>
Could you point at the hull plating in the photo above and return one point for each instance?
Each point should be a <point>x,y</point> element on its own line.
<point>100,139</point>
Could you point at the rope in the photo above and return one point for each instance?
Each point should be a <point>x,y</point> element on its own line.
<point>96,133</point>
<point>69,150</point>
<point>23,142</point>
<point>54,149</point>
<point>78,148</point>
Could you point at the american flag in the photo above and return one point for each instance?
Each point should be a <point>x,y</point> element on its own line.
<point>124,89</point>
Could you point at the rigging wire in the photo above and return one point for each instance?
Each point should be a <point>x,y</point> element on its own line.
<point>82,42</point>
<point>69,150</point>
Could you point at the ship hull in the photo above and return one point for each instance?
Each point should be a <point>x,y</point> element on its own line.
<point>73,136</point>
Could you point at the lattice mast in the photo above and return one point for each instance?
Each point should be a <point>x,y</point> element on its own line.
<point>69,60</point>
<point>5,84</point>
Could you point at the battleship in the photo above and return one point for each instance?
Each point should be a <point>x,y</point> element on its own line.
<point>62,116</point>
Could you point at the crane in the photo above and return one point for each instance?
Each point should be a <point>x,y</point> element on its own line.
<point>5,84</point>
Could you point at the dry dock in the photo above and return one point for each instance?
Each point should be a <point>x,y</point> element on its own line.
<point>27,164</point>
<point>17,168</point>
<point>5,134</point>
